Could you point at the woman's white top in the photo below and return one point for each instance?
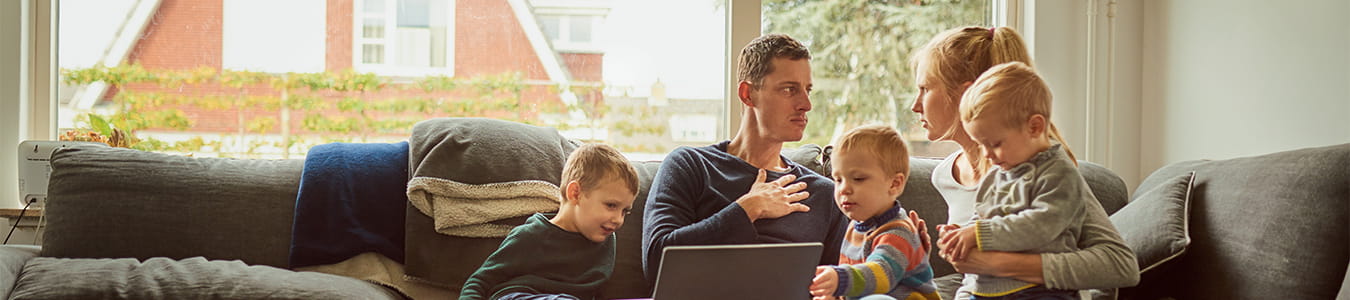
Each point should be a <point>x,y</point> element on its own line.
<point>960,198</point>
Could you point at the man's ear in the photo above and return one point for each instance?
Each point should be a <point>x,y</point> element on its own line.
<point>573,192</point>
<point>898,184</point>
<point>743,92</point>
<point>1036,124</point>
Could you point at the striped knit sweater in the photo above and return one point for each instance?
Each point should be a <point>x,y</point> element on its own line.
<point>883,255</point>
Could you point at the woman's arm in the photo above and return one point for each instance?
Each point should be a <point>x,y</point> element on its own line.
<point>1020,266</point>
<point>1103,262</point>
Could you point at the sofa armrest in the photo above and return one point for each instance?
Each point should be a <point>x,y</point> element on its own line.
<point>12,259</point>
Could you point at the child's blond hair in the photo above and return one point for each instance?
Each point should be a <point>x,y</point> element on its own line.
<point>591,164</point>
<point>1009,94</point>
<point>879,141</point>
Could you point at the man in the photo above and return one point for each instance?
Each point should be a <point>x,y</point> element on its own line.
<point>743,191</point>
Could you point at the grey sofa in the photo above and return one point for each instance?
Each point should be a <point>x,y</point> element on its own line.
<point>125,224</point>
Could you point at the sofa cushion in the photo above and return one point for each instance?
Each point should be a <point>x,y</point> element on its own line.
<point>192,278</point>
<point>1154,223</point>
<point>115,202</point>
<point>1264,227</point>
<point>12,259</point>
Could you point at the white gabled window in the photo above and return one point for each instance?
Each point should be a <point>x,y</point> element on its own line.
<point>404,37</point>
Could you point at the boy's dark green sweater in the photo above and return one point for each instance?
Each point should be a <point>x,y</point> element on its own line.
<point>542,258</point>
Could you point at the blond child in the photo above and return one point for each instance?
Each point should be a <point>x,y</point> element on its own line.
<point>1034,200</point>
<point>882,252</point>
<point>569,254</point>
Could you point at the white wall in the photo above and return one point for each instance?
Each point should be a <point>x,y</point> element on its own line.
<point>1089,54</point>
<point>1232,78</point>
<point>13,89</point>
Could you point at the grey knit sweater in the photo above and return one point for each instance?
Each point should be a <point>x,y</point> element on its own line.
<point>1036,207</point>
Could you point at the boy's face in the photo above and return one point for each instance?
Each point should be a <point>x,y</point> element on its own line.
<point>600,211</point>
<point>863,190</point>
<point>1006,147</point>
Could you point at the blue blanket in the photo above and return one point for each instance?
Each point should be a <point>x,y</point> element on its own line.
<point>351,201</point>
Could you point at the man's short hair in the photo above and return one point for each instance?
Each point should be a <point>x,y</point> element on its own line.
<point>756,59</point>
<point>591,164</point>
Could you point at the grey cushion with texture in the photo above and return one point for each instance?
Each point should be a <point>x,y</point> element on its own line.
<point>1154,223</point>
<point>1265,227</point>
<point>115,202</point>
<point>192,278</point>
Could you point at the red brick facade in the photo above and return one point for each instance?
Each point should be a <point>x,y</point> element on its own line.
<point>338,52</point>
<point>184,34</point>
<point>585,66</point>
<point>489,40</point>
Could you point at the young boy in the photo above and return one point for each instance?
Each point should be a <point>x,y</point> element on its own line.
<point>1034,200</point>
<point>567,255</point>
<point>881,253</point>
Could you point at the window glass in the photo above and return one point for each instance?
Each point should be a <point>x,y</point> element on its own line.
<point>860,67</point>
<point>580,29</point>
<point>194,77</point>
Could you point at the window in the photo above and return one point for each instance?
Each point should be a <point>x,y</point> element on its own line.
<point>571,26</point>
<point>196,76</point>
<point>570,33</point>
<point>404,37</point>
<point>210,79</point>
<point>859,64</point>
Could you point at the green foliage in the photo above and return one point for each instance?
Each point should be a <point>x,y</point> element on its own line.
<point>312,95</point>
<point>99,124</point>
<point>860,53</point>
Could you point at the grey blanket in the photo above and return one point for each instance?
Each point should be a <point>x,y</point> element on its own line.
<point>483,151</point>
<point>467,173</point>
<point>471,152</point>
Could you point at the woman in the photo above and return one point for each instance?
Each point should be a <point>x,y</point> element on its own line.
<point>944,69</point>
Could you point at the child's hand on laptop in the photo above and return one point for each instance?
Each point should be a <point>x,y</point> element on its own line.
<point>823,285</point>
<point>956,241</point>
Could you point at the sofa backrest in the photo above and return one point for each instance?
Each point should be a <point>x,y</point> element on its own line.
<point>1272,226</point>
<point>108,202</point>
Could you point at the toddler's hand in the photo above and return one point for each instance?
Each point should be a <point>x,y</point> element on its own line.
<point>957,242</point>
<point>923,230</point>
<point>943,231</point>
<point>822,287</point>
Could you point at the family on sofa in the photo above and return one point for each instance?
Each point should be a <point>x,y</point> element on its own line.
<point>1031,204</point>
<point>1019,214</point>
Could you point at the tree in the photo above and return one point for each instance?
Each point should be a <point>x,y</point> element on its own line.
<point>860,53</point>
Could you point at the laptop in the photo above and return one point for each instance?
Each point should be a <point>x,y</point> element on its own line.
<point>756,271</point>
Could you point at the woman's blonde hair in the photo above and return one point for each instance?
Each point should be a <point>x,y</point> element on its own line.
<point>880,141</point>
<point>1009,94</point>
<point>959,55</point>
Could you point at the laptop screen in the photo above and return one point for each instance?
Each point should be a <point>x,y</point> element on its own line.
<point>755,271</point>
